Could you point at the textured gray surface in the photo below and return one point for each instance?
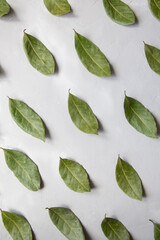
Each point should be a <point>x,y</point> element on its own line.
<point>123,47</point>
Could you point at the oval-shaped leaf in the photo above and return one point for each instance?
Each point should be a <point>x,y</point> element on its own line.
<point>114,229</point>
<point>91,56</point>
<point>67,223</point>
<point>57,7</point>
<point>156,231</point>
<point>17,226</point>
<point>23,168</point>
<point>128,180</point>
<point>38,55</point>
<point>4,8</point>
<point>82,115</point>
<point>155,8</point>
<point>140,117</point>
<point>74,175</point>
<point>153,57</point>
<point>119,12</point>
<point>27,119</point>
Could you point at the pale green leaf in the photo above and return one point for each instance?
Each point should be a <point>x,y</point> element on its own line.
<point>128,180</point>
<point>38,55</point>
<point>23,168</point>
<point>82,115</point>
<point>91,56</point>
<point>67,223</point>
<point>27,119</point>
<point>155,7</point>
<point>74,175</point>
<point>153,57</point>
<point>156,230</point>
<point>4,8</point>
<point>140,117</point>
<point>17,226</point>
<point>119,12</point>
<point>114,229</point>
<point>57,7</point>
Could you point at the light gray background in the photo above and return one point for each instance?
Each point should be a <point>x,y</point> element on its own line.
<point>124,49</point>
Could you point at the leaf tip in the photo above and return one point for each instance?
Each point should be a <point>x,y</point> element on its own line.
<point>24,30</point>
<point>125,93</point>
<point>69,91</point>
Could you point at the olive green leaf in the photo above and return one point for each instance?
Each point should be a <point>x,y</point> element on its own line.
<point>140,117</point>
<point>114,229</point>
<point>156,230</point>
<point>57,7</point>
<point>23,168</point>
<point>67,223</point>
<point>91,56</point>
<point>74,175</point>
<point>128,180</point>
<point>4,8</point>
<point>27,119</point>
<point>155,8</point>
<point>153,57</point>
<point>17,226</point>
<point>119,12</point>
<point>38,55</point>
<point>82,115</point>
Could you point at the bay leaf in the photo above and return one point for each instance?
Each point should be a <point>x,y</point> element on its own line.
<point>23,168</point>
<point>4,8</point>
<point>74,175</point>
<point>57,7</point>
<point>17,226</point>
<point>128,180</point>
<point>156,230</point>
<point>114,229</point>
<point>67,223</point>
<point>155,7</point>
<point>119,12</point>
<point>91,56</point>
<point>82,115</point>
<point>139,117</point>
<point>27,119</point>
<point>153,57</point>
<point>38,55</point>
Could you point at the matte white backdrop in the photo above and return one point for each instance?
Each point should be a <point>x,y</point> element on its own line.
<point>123,46</point>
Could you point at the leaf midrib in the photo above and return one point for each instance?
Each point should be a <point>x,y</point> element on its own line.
<point>139,117</point>
<point>15,224</point>
<point>90,55</point>
<point>127,179</point>
<point>82,115</point>
<point>21,167</point>
<point>152,54</point>
<point>74,175</point>
<point>118,11</point>
<point>39,133</point>
<point>64,221</point>
<point>114,231</point>
<point>63,11</point>
<point>156,4</point>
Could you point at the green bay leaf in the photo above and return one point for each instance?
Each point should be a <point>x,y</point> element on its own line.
<point>119,12</point>
<point>140,117</point>
<point>38,55</point>
<point>91,56</point>
<point>114,229</point>
<point>153,57</point>
<point>27,119</point>
<point>57,7</point>
<point>155,7</point>
<point>17,226</point>
<point>156,230</point>
<point>67,223</point>
<point>82,115</point>
<point>128,180</point>
<point>23,168</point>
<point>74,175</point>
<point>4,8</point>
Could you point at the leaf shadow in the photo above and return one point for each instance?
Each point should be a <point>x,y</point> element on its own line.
<point>113,73</point>
<point>2,72</point>
<point>158,126</point>
<point>100,126</point>
<point>10,16</point>
<point>92,185</point>
<point>87,236</point>
<point>47,132</point>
